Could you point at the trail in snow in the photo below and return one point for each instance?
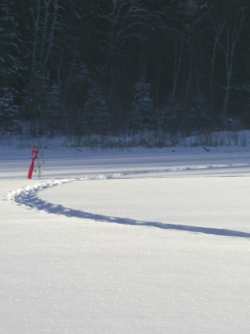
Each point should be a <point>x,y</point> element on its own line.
<point>28,196</point>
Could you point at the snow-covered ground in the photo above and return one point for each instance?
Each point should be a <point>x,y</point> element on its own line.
<point>132,241</point>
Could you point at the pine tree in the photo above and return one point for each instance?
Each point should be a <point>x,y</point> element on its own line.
<point>8,42</point>
<point>54,108</point>
<point>8,65</point>
<point>8,110</point>
<point>142,117</point>
<point>96,116</point>
<point>42,60</point>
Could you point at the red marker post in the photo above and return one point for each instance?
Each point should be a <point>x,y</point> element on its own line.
<point>35,152</point>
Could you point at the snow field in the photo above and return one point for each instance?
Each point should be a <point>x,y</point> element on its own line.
<point>213,202</point>
<point>138,255</point>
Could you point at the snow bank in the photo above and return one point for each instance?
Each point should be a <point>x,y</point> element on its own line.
<point>145,139</point>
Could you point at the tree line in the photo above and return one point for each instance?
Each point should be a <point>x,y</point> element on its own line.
<point>123,66</point>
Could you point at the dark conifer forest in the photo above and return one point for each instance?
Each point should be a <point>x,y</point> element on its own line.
<point>108,67</point>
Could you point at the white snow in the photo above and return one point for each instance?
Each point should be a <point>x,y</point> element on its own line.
<point>133,241</point>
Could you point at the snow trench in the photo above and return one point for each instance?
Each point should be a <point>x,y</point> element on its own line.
<point>28,197</point>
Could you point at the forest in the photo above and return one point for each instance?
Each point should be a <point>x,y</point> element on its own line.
<point>110,67</point>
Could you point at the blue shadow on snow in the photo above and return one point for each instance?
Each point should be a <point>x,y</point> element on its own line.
<point>30,199</point>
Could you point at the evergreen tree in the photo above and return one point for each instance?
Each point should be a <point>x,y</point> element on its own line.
<point>96,116</point>
<point>8,43</point>
<point>8,65</point>
<point>75,93</point>
<point>54,108</point>
<point>42,61</point>
<point>8,110</point>
<point>142,117</point>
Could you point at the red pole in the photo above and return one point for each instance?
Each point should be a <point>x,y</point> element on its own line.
<point>31,169</point>
<point>35,152</point>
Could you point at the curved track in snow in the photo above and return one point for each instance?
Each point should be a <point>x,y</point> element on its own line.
<point>29,196</point>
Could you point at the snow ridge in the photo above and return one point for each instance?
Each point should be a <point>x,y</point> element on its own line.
<point>17,194</point>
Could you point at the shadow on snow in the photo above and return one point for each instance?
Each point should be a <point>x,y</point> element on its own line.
<point>30,199</point>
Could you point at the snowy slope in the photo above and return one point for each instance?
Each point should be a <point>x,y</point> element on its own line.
<point>138,241</point>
